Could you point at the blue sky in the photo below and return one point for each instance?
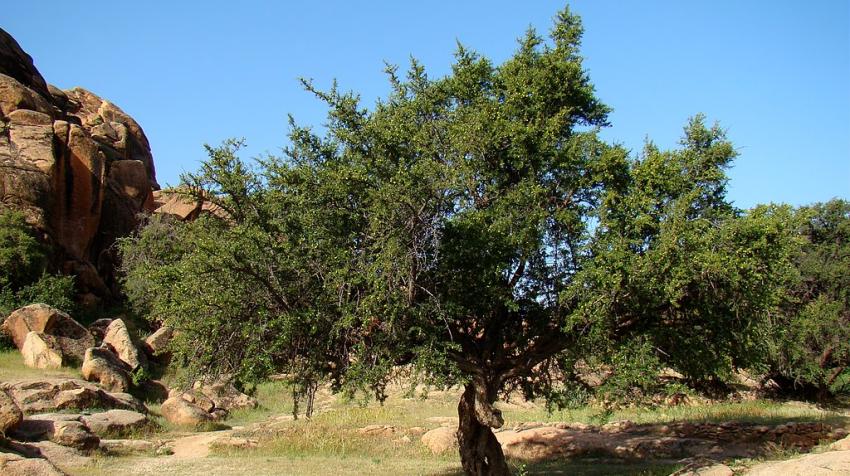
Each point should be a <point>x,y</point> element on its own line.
<point>775,74</point>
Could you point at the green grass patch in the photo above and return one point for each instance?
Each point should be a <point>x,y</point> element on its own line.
<point>12,368</point>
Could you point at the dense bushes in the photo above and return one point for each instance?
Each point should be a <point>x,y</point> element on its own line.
<point>810,333</point>
<point>24,276</point>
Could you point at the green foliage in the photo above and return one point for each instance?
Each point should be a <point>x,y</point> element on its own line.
<point>811,338</point>
<point>23,269</point>
<point>22,258</point>
<point>476,227</point>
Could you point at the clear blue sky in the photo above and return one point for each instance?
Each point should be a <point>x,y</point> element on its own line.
<point>776,74</point>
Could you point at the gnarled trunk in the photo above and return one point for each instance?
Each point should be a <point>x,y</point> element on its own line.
<point>480,452</point>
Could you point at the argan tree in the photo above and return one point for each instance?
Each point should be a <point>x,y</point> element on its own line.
<point>476,229</point>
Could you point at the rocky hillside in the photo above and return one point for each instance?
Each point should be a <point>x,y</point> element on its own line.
<point>76,164</point>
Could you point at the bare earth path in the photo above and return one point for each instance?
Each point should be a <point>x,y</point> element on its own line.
<point>196,446</point>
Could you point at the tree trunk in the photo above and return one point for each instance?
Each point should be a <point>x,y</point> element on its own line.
<point>480,452</point>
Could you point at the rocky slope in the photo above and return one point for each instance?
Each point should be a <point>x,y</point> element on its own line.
<point>76,164</point>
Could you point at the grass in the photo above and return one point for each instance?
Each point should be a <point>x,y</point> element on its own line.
<point>331,444</point>
<point>12,368</point>
<point>764,412</point>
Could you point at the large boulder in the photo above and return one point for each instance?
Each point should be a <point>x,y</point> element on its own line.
<point>115,422</point>
<point>181,412</point>
<point>10,414</point>
<point>441,440</point>
<point>72,338</point>
<point>12,464</point>
<point>102,366</point>
<point>41,351</point>
<point>62,429</point>
<point>118,339</point>
<point>55,394</point>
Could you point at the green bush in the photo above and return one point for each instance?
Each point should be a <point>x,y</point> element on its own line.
<point>24,277</point>
<point>811,335</point>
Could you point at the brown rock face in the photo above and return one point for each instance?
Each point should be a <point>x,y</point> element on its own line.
<point>77,165</point>
<point>10,414</point>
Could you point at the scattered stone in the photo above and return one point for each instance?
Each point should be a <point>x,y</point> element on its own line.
<point>118,339</point>
<point>10,414</point>
<point>181,412</point>
<point>53,394</point>
<point>417,431</point>
<point>72,338</point>
<point>114,422</point>
<point>41,351</point>
<point>102,366</point>
<point>441,440</point>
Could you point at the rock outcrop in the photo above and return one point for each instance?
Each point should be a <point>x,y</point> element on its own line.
<point>58,333</point>
<point>55,394</point>
<point>102,366</point>
<point>118,340</point>
<point>41,351</point>
<point>10,414</point>
<point>182,412</point>
<point>78,167</point>
<point>223,395</point>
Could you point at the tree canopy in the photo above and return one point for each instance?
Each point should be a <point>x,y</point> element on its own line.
<point>476,229</point>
